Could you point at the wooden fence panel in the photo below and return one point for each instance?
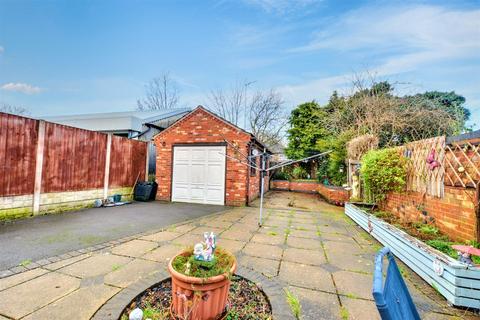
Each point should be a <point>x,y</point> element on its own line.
<point>18,142</point>
<point>127,161</point>
<point>74,159</point>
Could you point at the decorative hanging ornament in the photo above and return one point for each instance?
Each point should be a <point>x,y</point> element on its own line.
<point>432,163</point>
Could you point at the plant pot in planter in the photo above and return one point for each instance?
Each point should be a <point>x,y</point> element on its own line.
<point>200,298</point>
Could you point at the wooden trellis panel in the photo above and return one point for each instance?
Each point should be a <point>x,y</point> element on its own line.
<point>462,163</point>
<point>420,177</point>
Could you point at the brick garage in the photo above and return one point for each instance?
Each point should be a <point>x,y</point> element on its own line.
<point>203,129</point>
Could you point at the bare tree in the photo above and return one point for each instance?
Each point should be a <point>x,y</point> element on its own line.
<point>160,93</point>
<point>267,117</point>
<point>229,104</point>
<point>8,108</point>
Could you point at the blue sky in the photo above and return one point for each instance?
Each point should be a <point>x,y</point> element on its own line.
<point>68,57</point>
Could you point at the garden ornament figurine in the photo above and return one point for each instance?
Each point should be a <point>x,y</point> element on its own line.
<point>465,252</point>
<point>205,254</point>
<point>432,163</point>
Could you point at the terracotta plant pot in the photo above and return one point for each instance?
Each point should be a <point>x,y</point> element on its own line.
<point>199,298</point>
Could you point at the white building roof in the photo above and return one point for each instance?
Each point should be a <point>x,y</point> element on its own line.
<point>115,121</point>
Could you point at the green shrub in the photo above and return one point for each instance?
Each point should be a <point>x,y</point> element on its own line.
<point>383,171</point>
<point>281,175</point>
<point>299,173</point>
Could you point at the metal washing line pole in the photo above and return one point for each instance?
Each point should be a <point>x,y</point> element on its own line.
<point>264,170</point>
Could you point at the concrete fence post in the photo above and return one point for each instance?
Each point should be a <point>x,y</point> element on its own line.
<point>107,166</point>
<point>37,188</point>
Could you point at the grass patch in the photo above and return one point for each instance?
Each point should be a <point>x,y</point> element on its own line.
<point>294,304</point>
<point>351,296</point>
<point>154,314</point>
<point>344,313</point>
<point>25,263</point>
<point>187,265</point>
<point>116,267</point>
<point>272,233</point>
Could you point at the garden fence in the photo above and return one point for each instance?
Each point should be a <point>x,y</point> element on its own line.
<point>38,157</point>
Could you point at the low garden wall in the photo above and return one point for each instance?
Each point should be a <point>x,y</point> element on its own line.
<point>454,214</point>
<point>335,195</point>
<point>332,194</point>
<point>297,186</point>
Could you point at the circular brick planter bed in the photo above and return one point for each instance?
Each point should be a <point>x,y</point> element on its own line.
<point>245,300</point>
<point>271,289</point>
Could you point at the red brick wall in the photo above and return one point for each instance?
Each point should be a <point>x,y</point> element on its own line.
<point>454,214</point>
<point>297,186</point>
<point>200,126</point>
<point>335,195</point>
<point>280,185</point>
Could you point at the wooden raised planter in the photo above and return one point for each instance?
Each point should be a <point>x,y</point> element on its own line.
<point>457,282</point>
<point>199,298</point>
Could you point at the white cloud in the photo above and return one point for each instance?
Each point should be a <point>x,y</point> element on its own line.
<point>401,28</point>
<point>396,40</point>
<point>21,87</point>
<point>281,6</point>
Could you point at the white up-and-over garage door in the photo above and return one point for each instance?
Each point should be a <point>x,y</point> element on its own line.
<point>199,174</point>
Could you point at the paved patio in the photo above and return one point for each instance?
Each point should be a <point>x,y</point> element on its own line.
<point>311,247</point>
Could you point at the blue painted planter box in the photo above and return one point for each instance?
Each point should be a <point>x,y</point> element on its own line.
<point>457,282</point>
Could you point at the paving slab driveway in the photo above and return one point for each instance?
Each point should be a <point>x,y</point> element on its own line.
<point>50,235</point>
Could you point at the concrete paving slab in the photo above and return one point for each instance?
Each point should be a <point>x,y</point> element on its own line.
<point>306,276</point>
<point>304,243</point>
<point>27,297</point>
<point>188,240</point>
<point>345,248</point>
<point>202,229</point>
<point>20,277</point>
<point>313,257</point>
<point>236,233</point>
<point>263,251</point>
<point>63,263</point>
<point>265,266</point>
<point>97,264</point>
<point>162,236</point>
<point>347,262</point>
<point>271,239</point>
<point>131,272</point>
<point>182,228</point>
<point>357,309</point>
<point>317,305</point>
<point>309,234</point>
<point>354,284</point>
<point>164,253</point>
<point>134,248</point>
<point>231,245</point>
<point>79,305</point>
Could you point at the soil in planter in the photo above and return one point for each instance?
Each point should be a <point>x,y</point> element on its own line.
<point>187,265</point>
<point>246,301</point>
<point>426,232</point>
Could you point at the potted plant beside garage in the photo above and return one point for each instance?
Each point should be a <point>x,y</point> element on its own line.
<point>201,280</point>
